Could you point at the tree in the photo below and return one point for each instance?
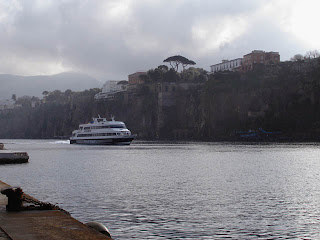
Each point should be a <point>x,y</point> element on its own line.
<point>177,60</point>
<point>68,92</point>
<point>25,101</point>
<point>14,97</point>
<point>145,78</point>
<point>163,68</point>
<point>194,75</point>
<point>157,75</point>
<point>312,54</point>
<point>297,57</point>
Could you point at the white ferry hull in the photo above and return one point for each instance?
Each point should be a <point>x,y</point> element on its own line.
<point>102,132</point>
<point>126,140</point>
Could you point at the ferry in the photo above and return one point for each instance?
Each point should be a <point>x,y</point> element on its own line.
<point>100,131</point>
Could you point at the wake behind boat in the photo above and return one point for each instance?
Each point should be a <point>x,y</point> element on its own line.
<point>102,132</point>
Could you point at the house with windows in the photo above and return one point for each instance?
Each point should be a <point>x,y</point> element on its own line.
<point>259,57</point>
<point>7,104</point>
<point>135,78</point>
<point>247,62</point>
<point>226,65</point>
<point>110,88</point>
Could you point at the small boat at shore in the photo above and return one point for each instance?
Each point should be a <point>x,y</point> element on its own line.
<point>100,131</point>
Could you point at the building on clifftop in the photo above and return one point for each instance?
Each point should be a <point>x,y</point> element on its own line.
<point>259,57</point>
<point>110,88</point>
<point>226,65</point>
<point>135,78</point>
<point>247,62</point>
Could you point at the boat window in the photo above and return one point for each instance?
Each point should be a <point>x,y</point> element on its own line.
<point>109,134</point>
<point>118,126</point>
<point>100,119</point>
<point>86,128</point>
<point>84,135</point>
<point>99,127</point>
<point>97,134</point>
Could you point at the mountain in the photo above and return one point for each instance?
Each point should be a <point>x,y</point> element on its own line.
<point>35,85</point>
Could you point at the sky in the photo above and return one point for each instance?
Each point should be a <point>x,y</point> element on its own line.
<point>110,39</point>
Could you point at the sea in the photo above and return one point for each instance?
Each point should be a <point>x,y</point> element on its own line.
<point>178,190</point>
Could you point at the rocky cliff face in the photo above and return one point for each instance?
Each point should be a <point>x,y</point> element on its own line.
<point>275,98</point>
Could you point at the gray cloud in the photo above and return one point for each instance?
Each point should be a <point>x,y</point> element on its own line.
<point>111,39</point>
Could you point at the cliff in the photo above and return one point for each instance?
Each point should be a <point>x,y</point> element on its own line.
<point>190,105</point>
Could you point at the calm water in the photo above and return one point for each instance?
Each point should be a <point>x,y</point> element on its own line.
<point>175,191</point>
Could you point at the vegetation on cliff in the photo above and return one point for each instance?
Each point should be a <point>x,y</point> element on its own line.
<point>186,105</point>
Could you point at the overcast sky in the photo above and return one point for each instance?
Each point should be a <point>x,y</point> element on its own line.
<point>109,39</point>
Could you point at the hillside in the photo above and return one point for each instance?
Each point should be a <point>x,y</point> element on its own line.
<point>276,102</point>
<point>35,85</point>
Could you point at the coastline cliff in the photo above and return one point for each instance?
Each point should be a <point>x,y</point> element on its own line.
<point>191,105</point>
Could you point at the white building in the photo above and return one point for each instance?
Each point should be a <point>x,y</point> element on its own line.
<point>110,88</point>
<point>7,104</point>
<point>227,65</point>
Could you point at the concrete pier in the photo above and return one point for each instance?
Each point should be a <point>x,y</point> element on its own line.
<point>41,224</point>
<point>10,157</point>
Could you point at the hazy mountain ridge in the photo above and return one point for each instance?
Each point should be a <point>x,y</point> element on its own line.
<point>35,85</point>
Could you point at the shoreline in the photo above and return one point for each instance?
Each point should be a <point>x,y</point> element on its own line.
<point>223,140</point>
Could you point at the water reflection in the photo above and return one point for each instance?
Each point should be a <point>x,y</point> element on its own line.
<point>173,191</point>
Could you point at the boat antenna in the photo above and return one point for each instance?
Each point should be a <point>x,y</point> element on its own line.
<point>99,115</point>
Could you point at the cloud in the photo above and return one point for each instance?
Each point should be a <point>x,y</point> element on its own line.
<point>303,22</point>
<point>111,39</point>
